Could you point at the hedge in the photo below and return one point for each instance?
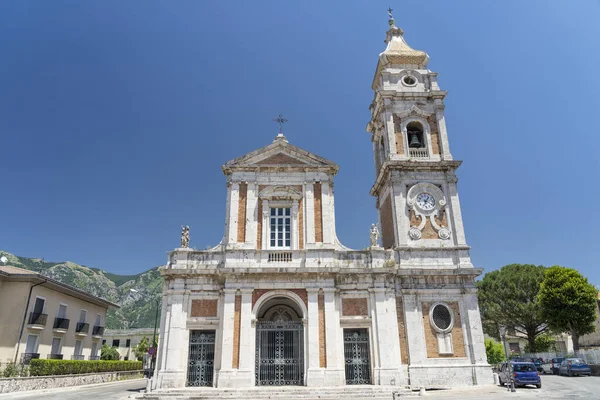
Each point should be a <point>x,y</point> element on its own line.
<point>39,367</point>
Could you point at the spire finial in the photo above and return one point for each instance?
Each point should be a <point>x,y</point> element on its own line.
<point>280,120</point>
<point>391,21</point>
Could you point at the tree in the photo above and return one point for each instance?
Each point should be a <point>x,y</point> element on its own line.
<point>508,297</point>
<point>568,302</point>
<point>543,343</point>
<point>109,353</point>
<point>141,348</point>
<point>494,351</point>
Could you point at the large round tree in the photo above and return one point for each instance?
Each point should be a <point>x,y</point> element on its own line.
<point>508,297</point>
<point>568,302</point>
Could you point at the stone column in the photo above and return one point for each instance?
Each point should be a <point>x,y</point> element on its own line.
<point>415,334</point>
<point>385,322</point>
<point>327,213</point>
<point>252,214</point>
<point>233,211</point>
<point>455,214</point>
<point>309,218</point>
<point>295,227</point>
<point>245,375</point>
<point>175,342</point>
<point>335,372</point>
<point>264,214</point>
<point>314,375</point>
<point>401,221</point>
<point>441,123</point>
<point>482,372</point>
<point>225,374</point>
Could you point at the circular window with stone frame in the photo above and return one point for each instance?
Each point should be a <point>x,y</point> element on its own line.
<point>409,80</point>
<point>441,317</point>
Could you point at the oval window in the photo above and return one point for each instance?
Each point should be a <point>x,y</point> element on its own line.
<point>442,319</point>
<point>409,80</point>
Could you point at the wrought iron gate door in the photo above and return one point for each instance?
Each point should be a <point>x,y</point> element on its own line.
<point>201,358</point>
<point>279,353</point>
<point>356,354</point>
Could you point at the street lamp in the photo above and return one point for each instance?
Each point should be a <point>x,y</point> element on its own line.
<point>154,342</point>
<point>511,380</point>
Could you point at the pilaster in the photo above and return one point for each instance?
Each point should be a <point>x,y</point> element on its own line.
<point>334,373</point>
<point>441,124</point>
<point>175,343</point>
<point>315,376</point>
<point>233,211</point>
<point>327,213</point>
<point>252,214</point>
<point>309,204</point>
<point>455,214</point>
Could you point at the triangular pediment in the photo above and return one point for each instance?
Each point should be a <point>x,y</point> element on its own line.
<point>280,153</point>
<point>280,158</point>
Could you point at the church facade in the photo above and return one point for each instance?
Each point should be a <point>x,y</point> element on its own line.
<point>280,301</point>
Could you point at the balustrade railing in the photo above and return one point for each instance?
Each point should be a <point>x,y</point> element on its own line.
<point>418,153</point>
<point>37,318</point>
<point>61,323</point>
<point>280,256</point>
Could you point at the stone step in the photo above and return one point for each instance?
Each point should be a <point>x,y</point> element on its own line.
<point>279,393</point>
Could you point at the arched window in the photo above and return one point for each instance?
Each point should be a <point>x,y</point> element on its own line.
<point>416,138</point>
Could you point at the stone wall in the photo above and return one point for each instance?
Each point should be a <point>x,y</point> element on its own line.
<point>11,385</point>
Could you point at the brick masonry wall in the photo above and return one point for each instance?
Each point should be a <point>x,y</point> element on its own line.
<point>318,213</point>
<point>322,337</point>
<point>398,134</point>
<point>435,137</point>
<point>259,226</point>
<point>387,224</point>
<point>237,320</point>
<point>402,331</point>
<point>241,233</point>
<point>204,308</point>
<point>355,306</point>
<point>431,343</point>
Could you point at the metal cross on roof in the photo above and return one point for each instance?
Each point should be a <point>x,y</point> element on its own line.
<point>389,10</point>
<point>280,120</point>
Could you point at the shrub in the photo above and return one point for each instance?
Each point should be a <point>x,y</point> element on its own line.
<point>10,370</point>
<point>494,351</point>
<point>109,353</point>
<point>39,367</point>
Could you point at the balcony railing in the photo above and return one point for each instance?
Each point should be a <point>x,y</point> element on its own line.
<point>94,358</point>
<point>55,357</point>
<point>61,323</point>
<point>82,327</point>
<point>26,357</point>
<point>77,357</point>
<point>418,153</point>
<point>98,330</point>
<point>37,319</point>
<point>285,256</point>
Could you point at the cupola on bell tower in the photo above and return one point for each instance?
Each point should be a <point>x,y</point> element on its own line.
<point>415,182</point>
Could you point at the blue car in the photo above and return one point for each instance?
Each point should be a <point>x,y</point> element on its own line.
<point>574,366</point>
<point>523,373</point>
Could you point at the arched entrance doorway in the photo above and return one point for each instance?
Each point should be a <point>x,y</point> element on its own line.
<point>279,343</point>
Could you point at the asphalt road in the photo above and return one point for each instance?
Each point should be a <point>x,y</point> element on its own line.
<point>553,387</point>
<point>107,391</point>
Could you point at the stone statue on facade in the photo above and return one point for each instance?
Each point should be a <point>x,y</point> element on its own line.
<point>374,236</point>
<point>185,236</point>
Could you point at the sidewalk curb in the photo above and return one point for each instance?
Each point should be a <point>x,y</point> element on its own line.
<point>68,388</point>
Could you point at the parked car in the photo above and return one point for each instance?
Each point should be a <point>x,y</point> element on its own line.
<point>523,373</point>
<point>555,364</point>
<point>574,366</point>
<point>538,362</point>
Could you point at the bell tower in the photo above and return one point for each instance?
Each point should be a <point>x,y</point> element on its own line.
<point>415,181</point>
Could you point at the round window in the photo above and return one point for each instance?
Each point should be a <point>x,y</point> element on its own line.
<point>441,317</point>
<point>409,80</point>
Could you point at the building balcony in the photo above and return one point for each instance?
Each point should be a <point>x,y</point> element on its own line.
<point>26,357</point>
<point>77,357</point>
<point>82,329</point>
<point>61,325</point>
<point>37,320</point>
<point>94,358</point>
<point>54,357</point>
<point>98,331</point>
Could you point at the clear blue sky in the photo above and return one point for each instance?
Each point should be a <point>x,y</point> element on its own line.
<point>116,116</point>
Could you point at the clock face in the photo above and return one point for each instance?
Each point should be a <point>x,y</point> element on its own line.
<point>425,201</point>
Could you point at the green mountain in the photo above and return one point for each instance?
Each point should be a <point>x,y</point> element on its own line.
<point>138,306</point>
